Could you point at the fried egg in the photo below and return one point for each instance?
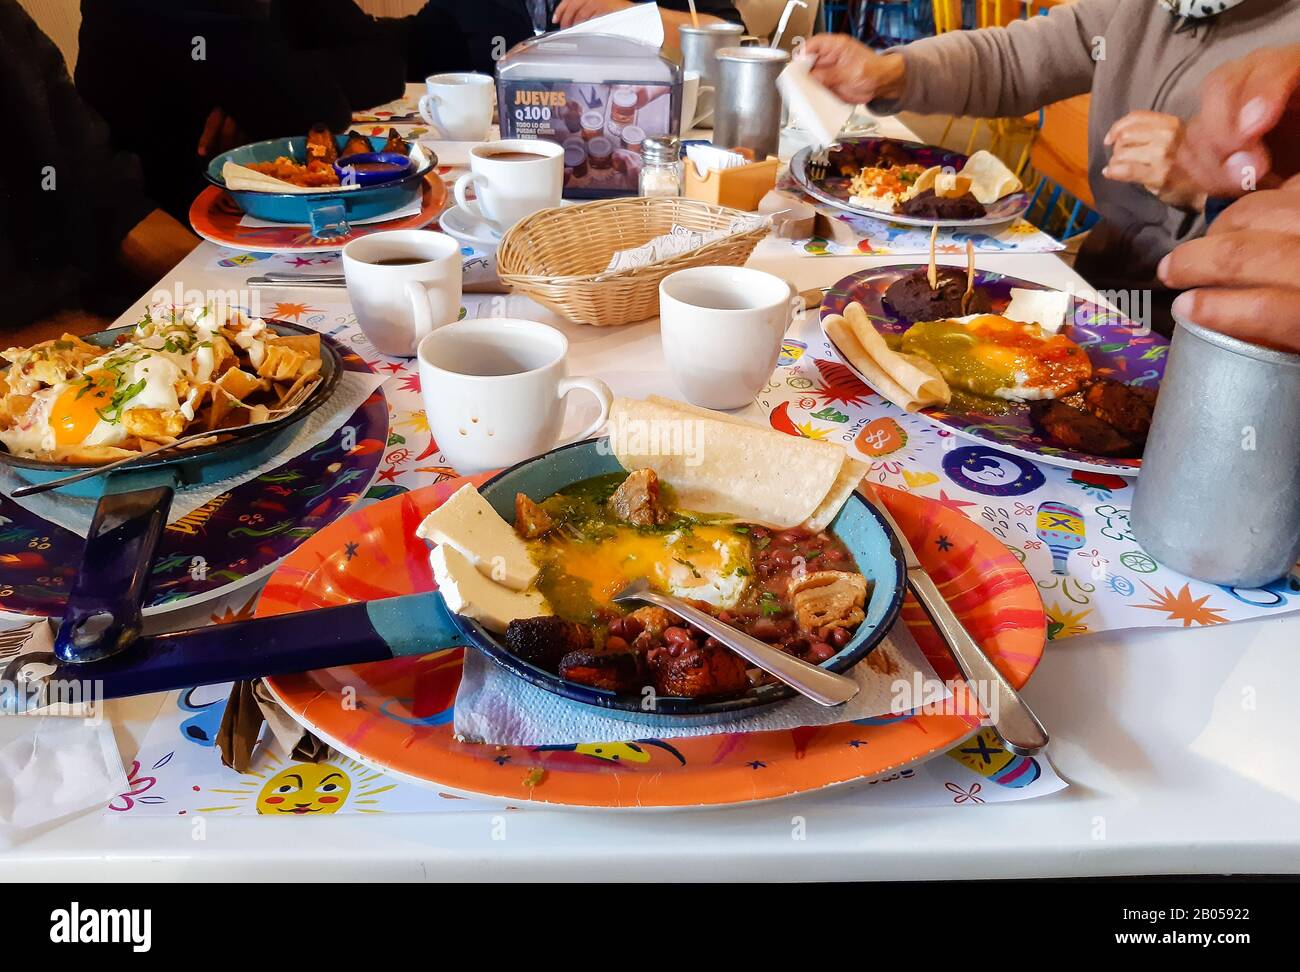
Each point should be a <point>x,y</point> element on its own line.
<point>702,563</point>
<point>992,356</point>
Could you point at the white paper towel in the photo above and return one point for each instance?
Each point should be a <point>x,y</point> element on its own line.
<point>640,22</point>
<point>493,706</point>
<point>812,105</point>
<point>75,513</point>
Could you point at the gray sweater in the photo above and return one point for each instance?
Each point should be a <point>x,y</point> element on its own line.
<point>1128,54</point>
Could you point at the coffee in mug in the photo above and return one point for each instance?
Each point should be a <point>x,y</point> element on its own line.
<point>512,179</point>
<point>403,284</point>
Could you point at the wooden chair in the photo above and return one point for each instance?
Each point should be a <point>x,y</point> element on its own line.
<point>1059,160</point>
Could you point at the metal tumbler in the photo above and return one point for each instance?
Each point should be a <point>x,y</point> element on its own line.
<point>748,113</point>
<point>1219,494</point>
<point>700,46</point>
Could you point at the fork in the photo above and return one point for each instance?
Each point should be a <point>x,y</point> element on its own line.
<point>235,431</point>
<point>818,164</point>
<point>822,686</point>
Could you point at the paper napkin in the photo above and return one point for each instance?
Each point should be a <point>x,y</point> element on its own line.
<point>812,105</point>
<point>641,22</point>
<point>75,513</point>
<point>493,706</point>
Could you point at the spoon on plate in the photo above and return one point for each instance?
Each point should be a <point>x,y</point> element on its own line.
<point>822,686</point>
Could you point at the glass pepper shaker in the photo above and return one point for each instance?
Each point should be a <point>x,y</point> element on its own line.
<point>662,170</point>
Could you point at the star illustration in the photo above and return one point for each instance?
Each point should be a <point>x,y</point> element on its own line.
<point>350,550</point>
<point>388,475</point>
<point>951,501</point>
<point>757,764</point>
<point>943,543</point>
<point>395,367</point>
<point>501,760</point>
<point>301,262</point>
<point>856,743</point>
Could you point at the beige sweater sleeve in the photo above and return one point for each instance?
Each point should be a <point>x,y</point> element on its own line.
<point>1001,71</point>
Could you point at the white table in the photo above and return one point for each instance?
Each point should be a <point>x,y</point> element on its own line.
<point>1179,747</point>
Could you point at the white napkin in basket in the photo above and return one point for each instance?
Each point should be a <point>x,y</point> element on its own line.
<point>75,513</point>
<point>493,706</point>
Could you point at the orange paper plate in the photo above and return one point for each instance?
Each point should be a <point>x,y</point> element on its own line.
<point>397,715</point>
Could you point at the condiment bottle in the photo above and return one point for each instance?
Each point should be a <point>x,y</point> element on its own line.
<point>661,166</point>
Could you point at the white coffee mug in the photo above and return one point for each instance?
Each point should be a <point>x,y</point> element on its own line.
<point>403,284</point>
<point>721,329</point>
<point>494,391</point>
<point>509,187</point>
<point>459,106</point>
<point>690,101</point>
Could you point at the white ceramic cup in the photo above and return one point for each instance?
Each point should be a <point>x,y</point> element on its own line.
<point>459,106</point>
<point>510,189</point>
<point>721,329</point>
<point>690,101</point>
<point>397,304</point>
<point>494,391</point>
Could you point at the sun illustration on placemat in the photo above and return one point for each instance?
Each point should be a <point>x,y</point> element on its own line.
<point>283,787</point>
<point>285,311</point>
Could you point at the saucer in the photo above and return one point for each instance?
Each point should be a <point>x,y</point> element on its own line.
<point>467,226</point>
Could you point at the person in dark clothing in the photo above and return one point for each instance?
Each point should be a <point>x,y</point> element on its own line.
<point>72,209</point>
<point>181,80</point>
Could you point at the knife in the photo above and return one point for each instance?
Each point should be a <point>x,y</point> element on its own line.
<point>1016,723</point>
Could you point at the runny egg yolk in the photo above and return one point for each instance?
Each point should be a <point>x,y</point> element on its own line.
<point>76,410</point>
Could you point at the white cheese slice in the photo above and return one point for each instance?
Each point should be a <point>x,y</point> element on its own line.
<point>468,523</point>
<point>469,593</point>
<point>1046,308</point>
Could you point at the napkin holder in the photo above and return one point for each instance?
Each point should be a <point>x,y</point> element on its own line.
<point>742,187</point>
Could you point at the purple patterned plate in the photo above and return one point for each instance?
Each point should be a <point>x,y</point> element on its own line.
<point>1118,348</point>
<point>834,189</point>
<point>228,542</point>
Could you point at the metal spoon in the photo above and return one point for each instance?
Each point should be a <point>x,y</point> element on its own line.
<point>822,686</point>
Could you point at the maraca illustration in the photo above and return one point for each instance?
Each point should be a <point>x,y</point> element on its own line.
<point>1060,526</point>
<point>988,756</point>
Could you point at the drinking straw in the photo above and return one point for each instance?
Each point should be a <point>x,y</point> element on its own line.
<point>695,16</point>
<point>933,272</point>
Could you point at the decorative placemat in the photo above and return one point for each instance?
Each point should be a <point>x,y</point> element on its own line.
<point>1069,528</point>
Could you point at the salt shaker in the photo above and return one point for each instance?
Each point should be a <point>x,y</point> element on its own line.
<point>661,166</point>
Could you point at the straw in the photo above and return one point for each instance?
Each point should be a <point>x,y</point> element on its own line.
<point>695,16</point>
<point>785,19</point>
<point>970,276</point>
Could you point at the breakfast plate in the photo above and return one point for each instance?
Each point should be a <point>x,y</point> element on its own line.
<point>835,189</point>
<point>1117,348</point>
<point>224,545</point>
<point>217,218</point>
<point>401,719</point>
<point>466,225</point>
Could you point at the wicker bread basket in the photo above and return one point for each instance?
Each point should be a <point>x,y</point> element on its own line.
<point>554,256</point>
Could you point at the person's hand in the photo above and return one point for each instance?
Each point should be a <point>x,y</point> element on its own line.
<point>1144,150</point>
<point>571,12</point>
<point>220,134</point>
<point>1243,276</point>
<point>1244,136</point>
<point>851,70</point>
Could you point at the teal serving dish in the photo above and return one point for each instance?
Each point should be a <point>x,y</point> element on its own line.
<point>319,209</point>
<point>416,624</point>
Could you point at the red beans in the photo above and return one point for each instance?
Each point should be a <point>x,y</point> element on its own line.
<point>677,636</point>
<point>615,643</point>
<point>819,652</point>
<point>791,537</point>
<point>632,627</point>
<point>617,628</point>
<point>840,637</point>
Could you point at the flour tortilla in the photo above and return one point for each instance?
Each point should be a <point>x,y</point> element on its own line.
<point>907,380</point>
<point>850,474</point>
<point>728,465</point>
<point>990,179</point>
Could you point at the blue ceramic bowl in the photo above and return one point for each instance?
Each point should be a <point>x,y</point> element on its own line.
<point>395,166</point>
<point>860,527</point>
<point>290,207</point>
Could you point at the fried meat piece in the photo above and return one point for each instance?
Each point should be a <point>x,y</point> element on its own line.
<point>320,145</point>
<point>1073,428</point>
<point>615,671</point>
<point>1125,408</point>
<point>637,501</point>
<point>699,670</point>
<point>828,599</point>
<point>544,641</point>
<point>396,143</point>
<point>356,144</point>
<point>531,521</point>
<point>654,619</point>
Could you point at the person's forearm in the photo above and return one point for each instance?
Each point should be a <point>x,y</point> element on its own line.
<point>155,245</point>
